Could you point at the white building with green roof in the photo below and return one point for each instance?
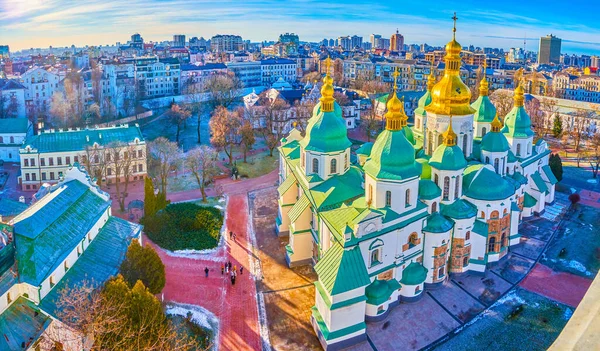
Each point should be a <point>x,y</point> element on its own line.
<point>64,239</point>
<point>45,157</point>
<point>13,132</point>
<point>419,204</point>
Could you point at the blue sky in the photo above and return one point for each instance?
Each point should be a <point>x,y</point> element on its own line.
<point>40,23</point>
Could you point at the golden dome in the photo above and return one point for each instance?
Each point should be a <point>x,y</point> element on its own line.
<point>496,124</point>
<point>395,117</point>
<point>519,96</point>
<point>484,87</point>
<point>450,96</point>
<point>327,91</point>
<point>449,135</point>
<point>431,79</point>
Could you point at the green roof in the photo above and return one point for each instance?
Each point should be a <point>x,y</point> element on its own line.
<point>342,270</point>
<point>408,133</point>
<point>379,291</point>
<point>413,274</point>
<point>476,185</point>
<point>517,123</point>
<point>326,131</point>
<point>425,168</point>
<point>287,183</point>
<point>291,149</point>
<point>428,190</point>
<point>78,140</point>
<point>392,157</point>
<point>519,178</point>
<point>60,222</point>
<point>298,208</point>
<point>436,223</point>
<point>481,228</point>
<point>548,172</point>
<point>100,261</point>
<point>494,142</point>
<point>424,101</point>
<point>14,125</point>
<point>22,323</point>
<point>511,157</point>
<point>365,149</point>
<point>11,208</point>
<point>539,182</point>
<point>529,201</point>
<point>459,209</point>
<point>485,111</point>
<point>448,158</point>
<point>338,188</point>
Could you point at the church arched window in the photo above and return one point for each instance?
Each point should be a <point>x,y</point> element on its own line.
<point>492,245</point>
<point>465,142</point>
<point>315,165</point>
<point>457,187</point>
<point>483,131</point>
<point>468,235</point>
<point>407,198</point>
<point>434,207</point>
<point>465,261</point>
<point>496,164</point>
<point>370,193</point>
<point>518,149</point>
<point>346,160</point>
<point>388,198</point>
<point>430,143</point>
<point>446,187</point>
<point>487,159</point>
<point>333,167</point>
<point>436,180</point>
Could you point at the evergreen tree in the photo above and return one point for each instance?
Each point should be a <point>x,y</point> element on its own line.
<point>557,129</point>
<point>143,264</point>
<point>149,198</point>
<point>556,166</point>
<point>161,201</point>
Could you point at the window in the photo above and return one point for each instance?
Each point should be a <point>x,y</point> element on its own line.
<point>413,240</point>
<point>483,131</point>
<point>436,180</point>
<point>388,198</point>
<point>59,161</point>
<point>346,160</point>
<point>465,261</point>
<point>8,298</point>
<point>482,214</point>
<point>52,283</point>
<point>27,177</point>
<point>66,265</point>
<point>468,235</point>
<point>109,171</point>
<point>496,165</point>
<point>407,197</point>
<point>140,168</point>
<point>495,214</point>
<point>51,161</point>
<point>446,187</point>
<point>333,166</point>
<point>456,187</point>
<point>33,176</point>
<point>492,244</point>
<point>430,143</point>
<point>68,160</point>
<point>518,149</point>
<point>1,140</point>
<point>42,161</point>
<point>434,207</point>
<point>465,141</point>
<point>43,175</point>
<point>25,163</point>
<point>76,158</point>
<point>441,272</point>
<point>370,193</point>
<point>78,251</point>
<point>32,162</point>
<point>487,159</point>
<point>315,165</point>
<point>140,154</point>
<point>375,252</point>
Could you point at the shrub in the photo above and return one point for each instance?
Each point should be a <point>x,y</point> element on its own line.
<point>144,264</point>
<point>185,226</point>
<point>555,164</point>
<point>574,198</point>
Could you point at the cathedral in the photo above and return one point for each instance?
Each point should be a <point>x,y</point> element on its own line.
<point>442,197</point>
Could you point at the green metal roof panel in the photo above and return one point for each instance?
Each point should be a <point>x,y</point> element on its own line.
<point>379,291</point>
<point>519,178</point>
<point>517,123</point>
<point>78,140</point>
<point>365,149</point>
<point>514,207</point>
<point>459,209</point>
<point>449,158</point>
<point>45,237</point>
<point>529,201</point>
<point>287,183</point>
<point>485,111</point>
<point>477,185</point>
<point>480,228</point>
<point>326,131</point>
<point>414,274</point>
<point>297,210</point>
<point>11,208</point>
<point>428,190</point>
<point>14,125</point>
<point>100,261</point>
<point>22,323</point>
<point>436,223</point>
<point>392,157</point>
<point>494,142</point>
<point>424,101</point>
<point>548,172</point>
<point>511,157</point>
<point>342,270</point>
<point>539,182</point>
<point>338,189</point>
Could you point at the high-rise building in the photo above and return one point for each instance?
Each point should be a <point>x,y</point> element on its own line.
<point>179,40</point>
<point>345,43</point>
<point>331,42</point>
<point>375,40</point>
<point>397,42</point>
<point>221,43</point>
<point>549,50</point>
<point>4,52</point>
<point>356,41</point>
<point>595,61</point>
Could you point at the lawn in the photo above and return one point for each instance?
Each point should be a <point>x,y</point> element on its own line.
<point>258,165</point>
<point>211,202</point>
<point>521,320</point>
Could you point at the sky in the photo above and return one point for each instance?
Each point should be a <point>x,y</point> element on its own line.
<point>503,24</point>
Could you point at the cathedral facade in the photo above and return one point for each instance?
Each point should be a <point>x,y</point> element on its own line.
<point>442,197</point>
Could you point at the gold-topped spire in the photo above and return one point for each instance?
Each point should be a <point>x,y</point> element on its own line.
<point>496,124</point>
<point>484,88</point>
<point>395,117</point>
<point>449,135</point>
<point>519,95</point>
<point>454,29</point>
<point>327,91</point>
<point>431,77</point>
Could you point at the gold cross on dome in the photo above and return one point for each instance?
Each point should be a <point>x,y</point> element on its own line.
<point>455,19</point>
<point>328,64</point>
<point>395,75</point>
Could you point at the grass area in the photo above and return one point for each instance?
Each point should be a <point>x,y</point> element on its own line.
<point>576,246</point>
<point>203,336</point>
<point>258,165</point>
<point>522,320</point>
<point>185,226</point>
<point>182,182</point>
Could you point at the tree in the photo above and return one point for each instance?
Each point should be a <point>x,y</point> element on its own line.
<point>537,116</point>
<point>557,127</point>
<point>9,106</point>
<point>503,100</point>
<point>91,114</point>
<point>304,109</point>
<point>222,89</point>
<point>338,72</point>
<point>555,164</point>
<point>60,108</point>
<point>195,97</point>
<point>370,121</point>
<point>166,155</point>
<point>550,109</point>
<point>225,126</point>
<point>311,77</point>
<point>143,264</point>
<point>121,161</point>
<point>149,198</point>
<point>178,115</point>
<point>579,131</point>
<point>271,118</point>
<point>94,160</point>
<point>247,137</point>
<point>201,161</point>
<point>594,157</point>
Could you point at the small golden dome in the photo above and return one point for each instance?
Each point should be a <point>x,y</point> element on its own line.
<point>484,87</point>
<point>395,117</point>
<point>449,135</point>
<point>453,48</point>
<point>519,96</point>
<point>496,124</point>
<point>327,90</point>
<point>431,79</point>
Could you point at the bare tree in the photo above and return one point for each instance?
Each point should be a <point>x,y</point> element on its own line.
<point>60,108</point>
<point>272,119</point>
<point>166,155</point>
<point>9,107</point>
<point>550,109</point>
<point>202,162</point>
<point>225,127</point>
<point>94,161</point>
<point>222,89</point>
<point>370,121</point>
<point>594,158</point>
<point>121,159</point>
<point>194,98</point>
<point>311,77</point>
<point>304,109</point>
<point>178,115</point>
<point>247,137</point>
<point>503,100</point>
<point>534,110</point>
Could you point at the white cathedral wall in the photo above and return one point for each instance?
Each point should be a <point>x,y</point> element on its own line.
<point>454,177</point>
<point>462,125</point>
<point>490,157</point>
<point>432,241</point>
<point>524,145</point>
<point>398,193</point>
<point>479,126</point>
<point>349,315</point>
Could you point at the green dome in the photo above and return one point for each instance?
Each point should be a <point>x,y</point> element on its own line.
<point>425,168</point>
<point>377,292</point>
<point>365,149</point>
<point>477,184</point>
<point>485,111</point>
<point>436,223</point>
<point>448,158</point>
<point>392,157</point>
<point>423,102</point>
<point>326,131</point>
<point>459,209</point>
<point>517,123</point>
<point>494,142</point>
<point>428,190</point>
<point>408,133</point>
<point>414,274</point>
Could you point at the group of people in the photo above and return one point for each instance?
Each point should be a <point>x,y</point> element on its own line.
<point>231,271</point>
<point>232,235</point>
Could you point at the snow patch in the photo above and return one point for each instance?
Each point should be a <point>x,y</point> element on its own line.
<point>576,265</point>
<point>511,297</point>
<point>567,314</point>
<point>592,181</point>
<point>199,316</point>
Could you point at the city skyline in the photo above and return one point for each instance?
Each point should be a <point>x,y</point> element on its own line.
<point>41,23</point>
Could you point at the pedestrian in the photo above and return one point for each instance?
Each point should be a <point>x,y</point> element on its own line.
<point>230,235</point>
<point>241,270</point>
<point>234,269</point>
<point>226,269</point>
<point>206,271</point>
<point>234,237</point>
<point>232,279</point>
<point>229,263</point>
<point>222,268</point>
